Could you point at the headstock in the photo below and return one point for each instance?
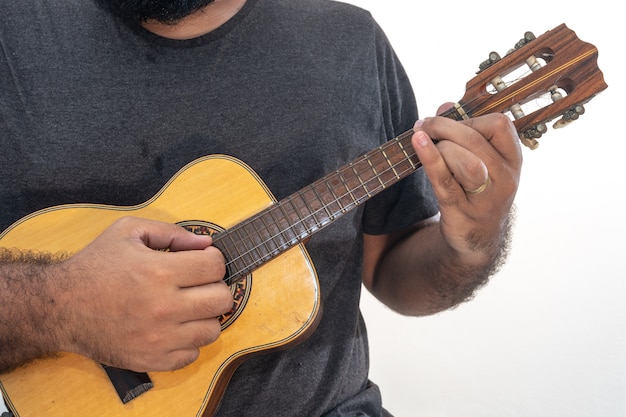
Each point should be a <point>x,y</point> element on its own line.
<point>556,64</point>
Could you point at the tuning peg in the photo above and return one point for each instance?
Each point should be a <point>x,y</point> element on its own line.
<point>555,93</point>
<point>529,136</point>
<point>569,116</point>
<point>533,63</point>
<point>493,58</point>
<point>528,37</point>
<point>530,143</point>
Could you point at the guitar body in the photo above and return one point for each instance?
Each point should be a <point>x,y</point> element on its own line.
<point>281,305</point>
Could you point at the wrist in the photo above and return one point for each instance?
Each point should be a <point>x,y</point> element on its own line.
<point>29,306</point>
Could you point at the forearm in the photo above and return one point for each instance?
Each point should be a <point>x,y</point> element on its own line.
<point>421,274</point>
<point>27,308</point>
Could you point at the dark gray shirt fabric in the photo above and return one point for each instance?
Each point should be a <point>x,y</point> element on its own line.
<point>94,110</point>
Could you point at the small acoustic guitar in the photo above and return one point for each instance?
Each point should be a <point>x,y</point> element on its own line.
<point>270,274</point>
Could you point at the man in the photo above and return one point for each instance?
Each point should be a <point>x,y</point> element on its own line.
<point>104,102</point>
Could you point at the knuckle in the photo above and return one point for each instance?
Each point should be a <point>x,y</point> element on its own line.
<point>124,222</point>
<point>448,184</point>
<point>181,359</point>
<point>217,300</point>
<point>228,302</point>
<point>226,298</point>
<point>220,302</point>
<point>153,338</point>
<point>218,269</point>
<point>210,333</point>
<point>217,262</point>
<point>160,311</point>
<point>511,185</point>
<point>451,196</point>
<point>475,168</point>
<point>191,358</point>
<point>501,121</point>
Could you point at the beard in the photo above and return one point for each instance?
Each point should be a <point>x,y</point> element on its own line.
<point>164,11</point>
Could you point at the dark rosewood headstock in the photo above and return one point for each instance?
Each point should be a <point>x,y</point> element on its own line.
<point>556,66</point>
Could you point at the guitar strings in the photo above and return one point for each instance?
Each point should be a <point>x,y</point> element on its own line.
<point>370,187</point>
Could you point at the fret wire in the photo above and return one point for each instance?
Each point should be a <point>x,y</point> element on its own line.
<point>385,170</point>
<point>343,209</point>
<point>348,189</point>
<point>360,179</point>
<point>276,238</point>
<point>408,158</point>
<point>309,220</point>
<point>251,234</point>
<point>289,227</point>
<point>299,215</point>
<point>264,235</point>
<point>395,173</point>
<point>399,155</point>
<point>229,248</point>
<point>310,204</point>
<point>328,198</point>
<point>232,261</point>
<point>261,257</point>
<point>325,206</point>
<point>369,162</point>
<point>335,198</point>
<point>357,190</point>
<point>244,242</point>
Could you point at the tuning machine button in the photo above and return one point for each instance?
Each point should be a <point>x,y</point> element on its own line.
<point>529,136</point>
<point>493,58</point>
<point>569,116</point>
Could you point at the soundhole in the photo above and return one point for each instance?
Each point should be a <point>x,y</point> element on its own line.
<point>240,289</point>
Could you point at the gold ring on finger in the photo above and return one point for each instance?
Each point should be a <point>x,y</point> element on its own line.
<point>479,189</point>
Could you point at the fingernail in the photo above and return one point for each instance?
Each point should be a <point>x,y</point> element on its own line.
<point>418,124</point>
<point>421,138</point>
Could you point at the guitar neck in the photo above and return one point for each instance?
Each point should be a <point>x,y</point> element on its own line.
<point>296,218</point>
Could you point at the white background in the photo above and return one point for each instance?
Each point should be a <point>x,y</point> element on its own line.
<point>547,336</point>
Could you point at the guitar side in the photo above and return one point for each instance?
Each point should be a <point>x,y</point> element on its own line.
<point>281,310</point>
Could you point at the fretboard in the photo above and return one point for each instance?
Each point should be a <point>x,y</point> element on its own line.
<point>296,218</point>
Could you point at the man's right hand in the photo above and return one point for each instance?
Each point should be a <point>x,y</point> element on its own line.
<point>143,296</point>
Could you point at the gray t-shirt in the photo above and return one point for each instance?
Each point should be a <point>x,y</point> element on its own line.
<point>94,110</point>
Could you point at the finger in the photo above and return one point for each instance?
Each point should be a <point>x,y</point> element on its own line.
<point>172,361</point>
<point>491,126</point>
<point>182,239</point>
<point>206,301</point>
<point>177,359</point>
<point>443,128</point>
<point>445,108</point>
<point>198,333</point>
<point>443,182</point>
<point>161,235</point>
<point>498,130</point>
<point>468,169</point>
<point>192,336</point>
<point>189,338</point>
<point>193,268</point>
